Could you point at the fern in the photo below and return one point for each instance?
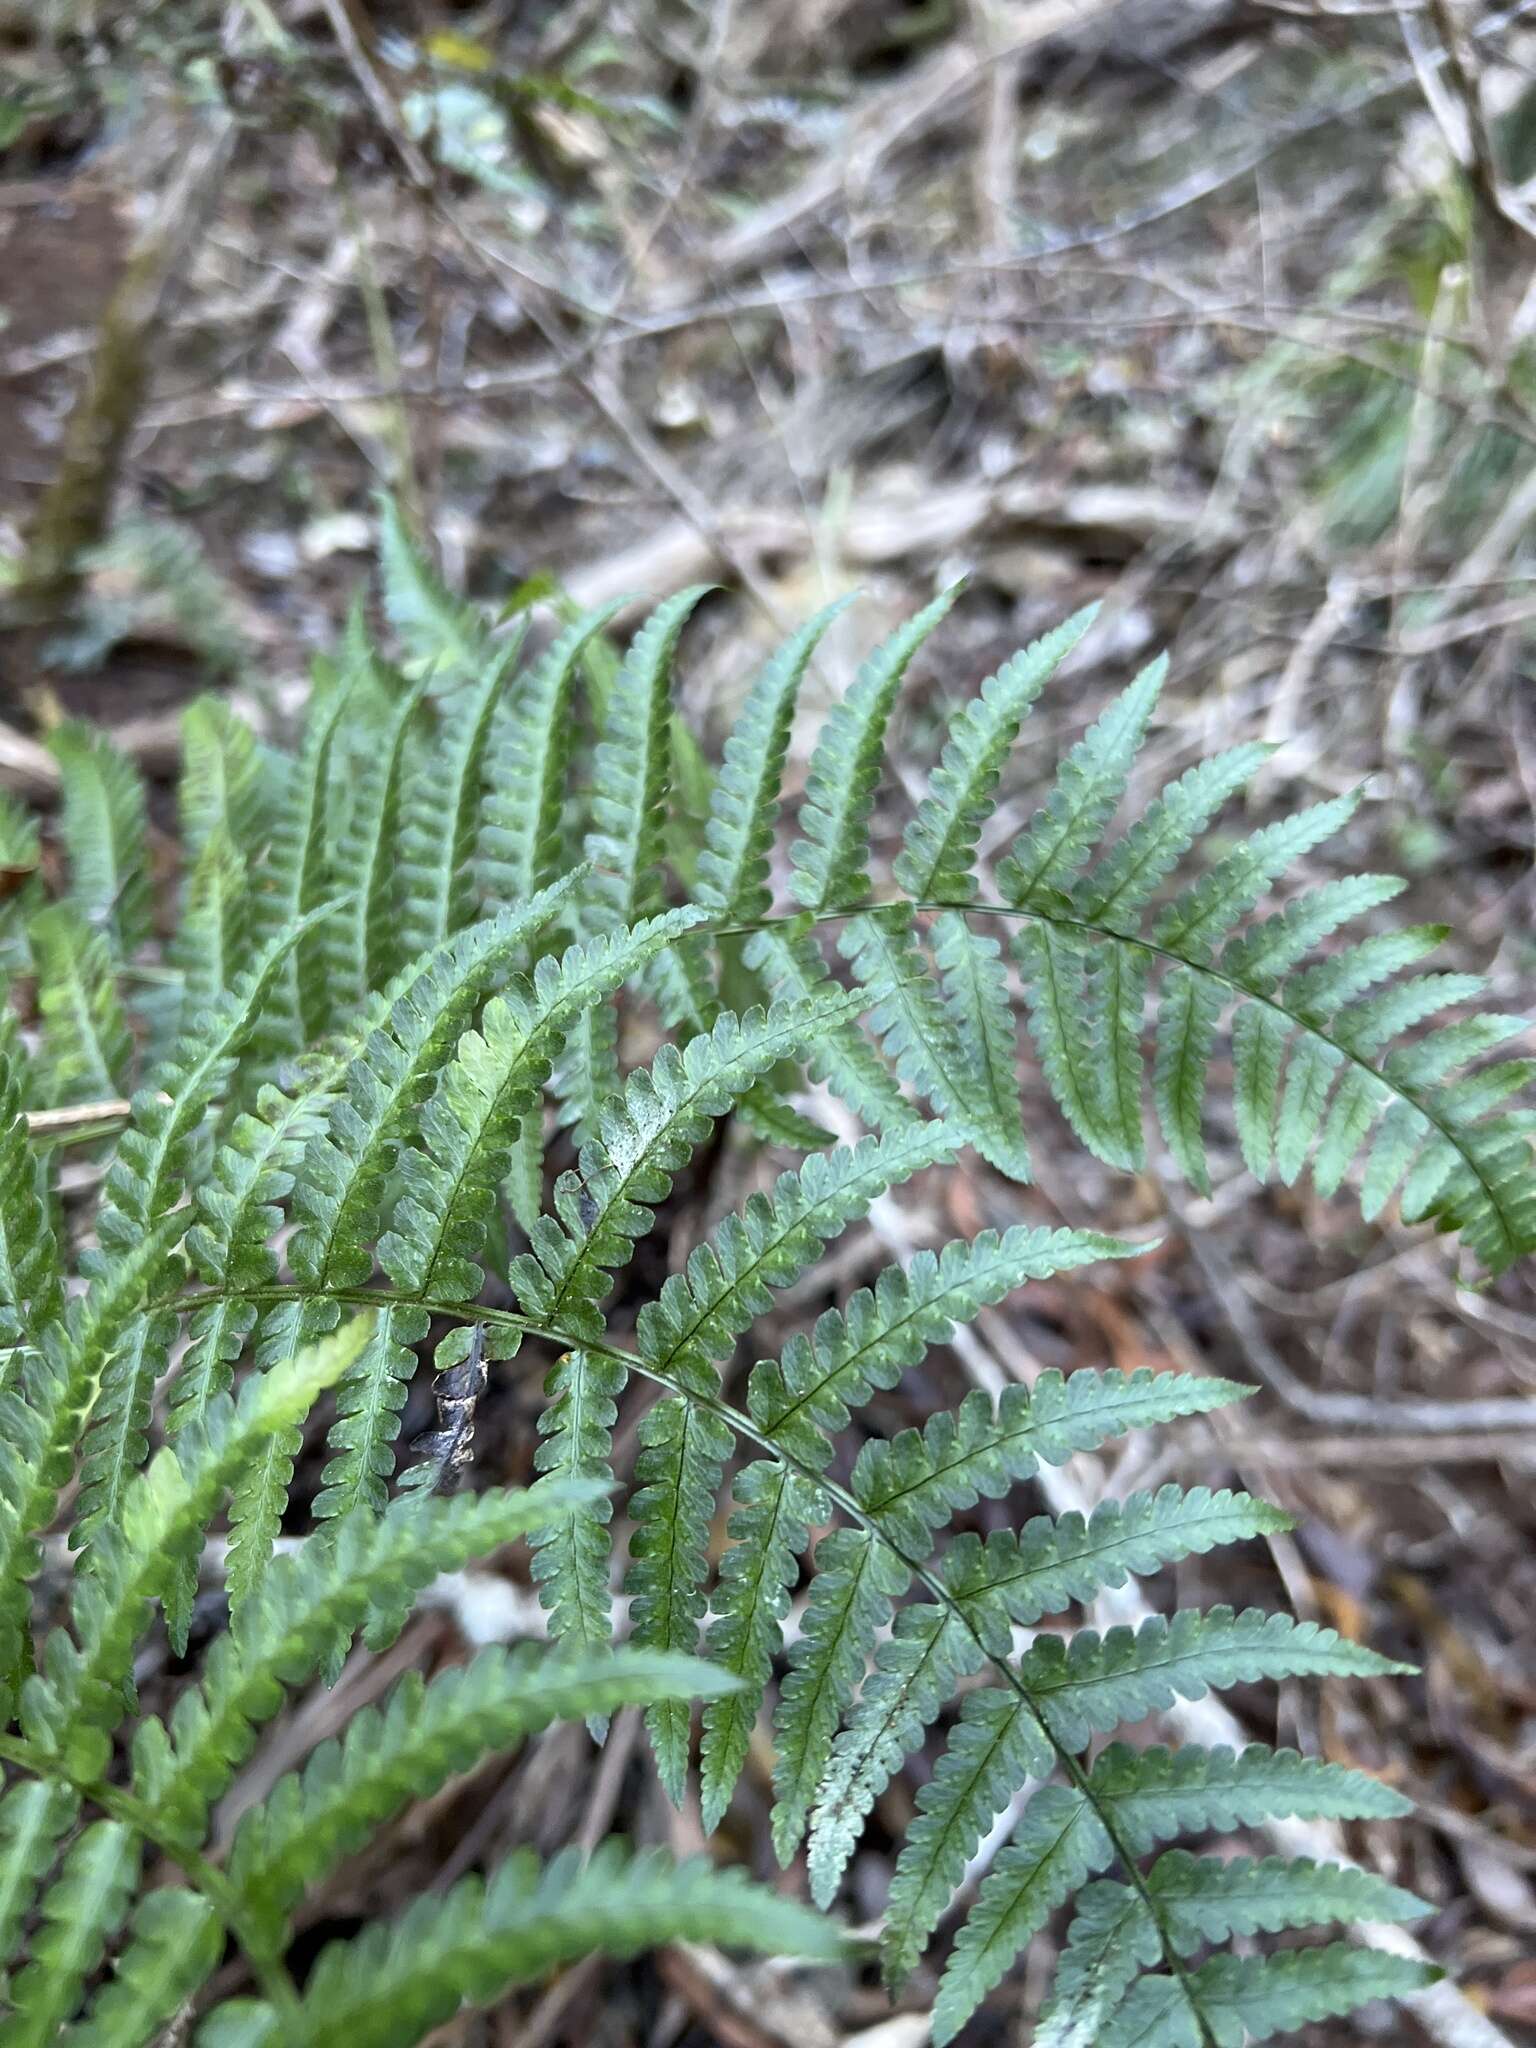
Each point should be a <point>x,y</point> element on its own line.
<point>106,834</point>
<point>386,973</point>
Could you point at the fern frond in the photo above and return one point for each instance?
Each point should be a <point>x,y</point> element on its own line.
<point>80,1911</point>
<point>645,1138</point>
<point>297,882</point>
<point>425,1734</point>
<point>160,1527</point>
<point>996,1745</point>
<point>522,844</point>
<point>441,812</point>
<point>239,1211</point>
<point>683,1449</point>
<point>31,1278</point>
<point>1156,1794</point>
<point>176,1941</point>
<point>87,1049</point>
<point>1009,1579</point>
<point>361,1439</point>
<point>492,1082</point>
<point>394,1984</point>
<point>440,632</point>
<point>212,942</point>
<point>1250,1998</point>
<point>220,786</point>
<point>938,856</point>
<point>369,938</point>
<point>1121,883</point>
<point>851,1598</point>
<point>632,766</point>
<point>744,805</point>
<point>35,1816</point>
<point>339,1195</point>
<point>106,833</point>
<point>974,988</point>
<point>830,862</point>
<point>1092,1682</point>
<point>842,1056</point>
<point>570,1549</point>
<point>1013,1578</point>
<point>1059,1844</point>
<point>1210,1898</point>
<point>917,1668</point>
<point>805,1397</point>
<point>699,1314</point>
<point>1090,783</point>
<point>770,1528</point>
<point>363,1569</point>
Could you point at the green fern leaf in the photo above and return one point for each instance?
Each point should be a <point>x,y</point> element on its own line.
<point>522,844</point>
<point>842,1056</point>
<point>80,1911</point>
<point>1211,1898</point>
<point>444,791</point>
<point>302,1618</point>
<point>695,1321</point>
<point>87,1049</point>
<point>437,630</point>
<point>1186,1039</point>
<point>1120,884</point>
<point>340,1194</point>
<point>938,856</point>
<point>1112,1939</point>
<point>1206,911</point>
<point>393,1984</point>
<point>975,994</point>
<point>570,1549</point>
<point>1232,1999</point>
<point>220,787</point>
<point>1059,1844</point>
<point>299,1006</point>
<point>996,1746</point>
<point>830,862</point>
<point>212,946</point>
<point>738,836</point>
<point>770,1528</point>
<point>164,1516</point>
<point>425,1734</point>
<point>851,1598</point>
<point>1012,1579</point>
<point>631,768</point>
<point>683,1449</point>
<point>35,1816</point>
<point>31,1283</point>
<point>1064,832</point>
<point>1092,1682</point>
<point>805,1397</point>
<point>1156,1794</point>
<point>175,1948</point>
<point>493,1081</point>
<point>367,941</point>
<point>930,1649</point>
<point>645,1138</point>
<point>106,834</point>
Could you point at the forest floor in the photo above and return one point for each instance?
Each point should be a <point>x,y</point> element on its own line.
<point>1221,314</point>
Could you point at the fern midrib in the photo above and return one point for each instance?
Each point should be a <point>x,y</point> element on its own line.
<point>743,1427</point>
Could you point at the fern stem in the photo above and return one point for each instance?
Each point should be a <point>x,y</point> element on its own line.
<point>269,1968</point>
<point>748,1431</point>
